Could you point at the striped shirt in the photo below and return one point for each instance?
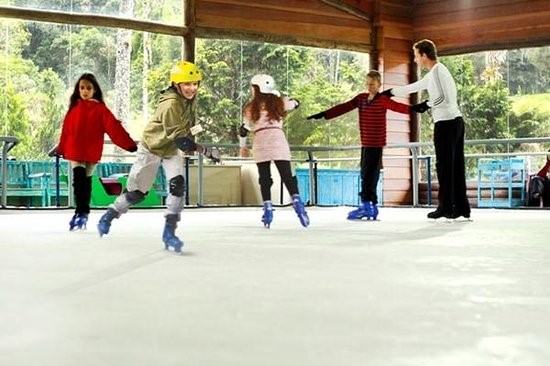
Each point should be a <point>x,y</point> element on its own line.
<point>372,116</point>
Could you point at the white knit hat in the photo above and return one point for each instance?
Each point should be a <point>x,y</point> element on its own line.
<point>265,83</point>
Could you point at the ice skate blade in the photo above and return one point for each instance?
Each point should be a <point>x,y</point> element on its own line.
<point>460,219</point>
<point>364,219</point>
<point>102,230</point>
<point>176,251</point>
<point>175,244</point>
<point>304,220</point>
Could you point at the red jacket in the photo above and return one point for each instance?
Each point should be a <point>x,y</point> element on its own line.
<point>372,117</point>
<point>84,129</point>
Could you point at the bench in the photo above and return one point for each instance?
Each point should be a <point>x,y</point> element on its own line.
<point>23,185</point>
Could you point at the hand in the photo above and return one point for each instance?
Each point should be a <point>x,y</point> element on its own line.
<point>317,116</point>
<point>388,93</point>
<point>420,108</point>
<point>132,148</point>
<point>296,102</point>
<point>53,152</point>
<point>211,153</point>
<point>244,152</point>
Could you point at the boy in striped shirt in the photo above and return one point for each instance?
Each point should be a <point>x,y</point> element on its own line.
<point>372,107</point>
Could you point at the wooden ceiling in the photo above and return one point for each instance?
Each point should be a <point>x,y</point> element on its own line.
<point>456,26</point>
<point>328,24</point>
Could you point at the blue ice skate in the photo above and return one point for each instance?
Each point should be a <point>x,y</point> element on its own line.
<point>169,234</point>
<point>267,217</point>
<point>104,223</point>
<point>365,210</point>
<point>300,210</point>
<point>72,223</point>
<point>78,222</point>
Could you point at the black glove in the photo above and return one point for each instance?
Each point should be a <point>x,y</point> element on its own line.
<point>243,131</point>
<point>388,93</point>
<point>211,153</point>
<point>132,148</point>
<point>420,107</point>
<point>317,116</point>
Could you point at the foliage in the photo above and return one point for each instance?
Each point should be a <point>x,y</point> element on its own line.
<point>529,117</point>
<point>41,63</point>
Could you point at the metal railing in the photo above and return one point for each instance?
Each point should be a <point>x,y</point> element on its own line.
<point>8,143</point>
<point>415,154</point>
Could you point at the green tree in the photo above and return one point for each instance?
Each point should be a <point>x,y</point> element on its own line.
<point>53,108</point>
<point>15,118</point>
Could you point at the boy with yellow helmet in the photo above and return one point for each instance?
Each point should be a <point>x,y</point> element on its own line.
<point>170,128</point>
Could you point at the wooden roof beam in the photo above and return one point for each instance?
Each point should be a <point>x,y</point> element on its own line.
<point>90,20</point>
<point>341,5</point>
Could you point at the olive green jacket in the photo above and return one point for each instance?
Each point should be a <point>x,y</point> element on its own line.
<point>173,118</point>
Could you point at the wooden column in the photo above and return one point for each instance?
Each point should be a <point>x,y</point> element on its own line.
<point>392,56</point>
<point>189,37</point>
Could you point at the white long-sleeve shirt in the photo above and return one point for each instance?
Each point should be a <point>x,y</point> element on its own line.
<point>441,89</point>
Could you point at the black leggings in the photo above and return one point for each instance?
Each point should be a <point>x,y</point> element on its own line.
<point>285,171</point>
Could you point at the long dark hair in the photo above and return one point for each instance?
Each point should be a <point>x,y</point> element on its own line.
<point>271,103</point>
<point>98,94</point>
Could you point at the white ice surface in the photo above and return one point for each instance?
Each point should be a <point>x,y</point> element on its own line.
<point>404,290</point>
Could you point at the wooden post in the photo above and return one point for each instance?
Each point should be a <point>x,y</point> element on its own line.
<point>189,37</point>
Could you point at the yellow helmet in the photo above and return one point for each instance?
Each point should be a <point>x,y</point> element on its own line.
<point>185,72</point>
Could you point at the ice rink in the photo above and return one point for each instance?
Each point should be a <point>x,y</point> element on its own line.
<point>404,290</point>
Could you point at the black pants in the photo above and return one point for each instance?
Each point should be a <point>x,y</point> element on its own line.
<point>371,161</point>
<point>450,166</point>
<point>285,171</point>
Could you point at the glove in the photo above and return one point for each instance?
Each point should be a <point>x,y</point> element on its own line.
<point>243,131</point>
<point>53,152</point>
<point>420,107</point>
<point>388,93</point>
<point>317,116</point>
<point>211,153</point>
<point>132,148</point>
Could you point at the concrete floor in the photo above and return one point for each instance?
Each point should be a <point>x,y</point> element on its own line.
<point>404,290</point>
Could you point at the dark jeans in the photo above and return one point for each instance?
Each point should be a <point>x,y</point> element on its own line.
<point>285,171</point>
<point>449,164</point>
<point>371,161</point>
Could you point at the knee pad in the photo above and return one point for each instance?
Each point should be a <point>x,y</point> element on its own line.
<point>265,182</point>
<point>177,186</point>
<point>134,197</point>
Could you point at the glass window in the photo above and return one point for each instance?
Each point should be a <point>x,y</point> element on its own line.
<point>166,11</point>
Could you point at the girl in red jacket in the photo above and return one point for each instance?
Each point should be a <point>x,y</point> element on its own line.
<point>81,141</point>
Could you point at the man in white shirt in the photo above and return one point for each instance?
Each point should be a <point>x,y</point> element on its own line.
<point>448,130</point>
